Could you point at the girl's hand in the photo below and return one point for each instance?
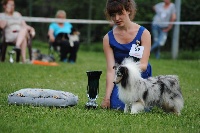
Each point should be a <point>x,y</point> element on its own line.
<point>105,103</point>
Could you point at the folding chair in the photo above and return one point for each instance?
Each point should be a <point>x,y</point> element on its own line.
<point>54,50</point>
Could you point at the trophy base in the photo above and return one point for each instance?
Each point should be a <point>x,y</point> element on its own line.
<point>91,104</point>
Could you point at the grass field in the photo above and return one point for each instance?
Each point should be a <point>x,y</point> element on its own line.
<point>77,119</point>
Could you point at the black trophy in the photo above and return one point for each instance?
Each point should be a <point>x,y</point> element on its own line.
<point>93,88</point>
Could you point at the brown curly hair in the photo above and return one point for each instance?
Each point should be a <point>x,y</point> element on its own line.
<point>117,6</point>
<point>4,2</point>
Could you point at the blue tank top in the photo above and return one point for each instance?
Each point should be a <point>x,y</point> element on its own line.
<point>121,51</point>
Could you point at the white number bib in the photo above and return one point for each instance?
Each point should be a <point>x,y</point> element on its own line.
<point>136,51</point>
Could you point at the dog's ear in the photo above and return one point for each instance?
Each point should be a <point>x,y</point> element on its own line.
<point>124,72</point>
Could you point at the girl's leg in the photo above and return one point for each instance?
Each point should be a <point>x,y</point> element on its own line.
<point>157,52</point>
<point>115,102</point>
<point>21,36</point>
<point>161,41</point>
<point>23,47</point>
<point>21,42</point>
<point>155,33</point>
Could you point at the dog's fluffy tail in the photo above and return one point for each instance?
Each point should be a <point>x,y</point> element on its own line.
<point>172,88</point>
<point>171,82</point>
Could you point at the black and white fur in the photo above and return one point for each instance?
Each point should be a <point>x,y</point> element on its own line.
<point>37,55</point>
<point>137,93</point>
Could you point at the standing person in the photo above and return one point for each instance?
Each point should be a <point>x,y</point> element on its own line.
<point>16,29</point>
<point>59,35</point>
<point>165,12</point>
<point>117,44</point>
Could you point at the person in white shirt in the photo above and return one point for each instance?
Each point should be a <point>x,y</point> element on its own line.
<point>165,13</point>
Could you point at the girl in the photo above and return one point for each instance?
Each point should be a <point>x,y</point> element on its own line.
<point>117,45</point>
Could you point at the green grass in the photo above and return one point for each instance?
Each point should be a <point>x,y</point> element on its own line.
<point>73,78</point>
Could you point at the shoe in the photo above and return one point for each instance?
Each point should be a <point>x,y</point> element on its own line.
<point>64,60</point>
<point>72,62</point>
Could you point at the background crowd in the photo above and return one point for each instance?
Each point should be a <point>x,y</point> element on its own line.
<point>62,36</point>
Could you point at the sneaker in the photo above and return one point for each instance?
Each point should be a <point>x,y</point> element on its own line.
<point>64,60</point>
<point>72,62</point>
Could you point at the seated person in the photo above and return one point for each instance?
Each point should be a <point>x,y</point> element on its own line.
<point>16,30</point>
<point>58,35</point>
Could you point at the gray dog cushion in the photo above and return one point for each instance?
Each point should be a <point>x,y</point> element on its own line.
<point>42,97</point>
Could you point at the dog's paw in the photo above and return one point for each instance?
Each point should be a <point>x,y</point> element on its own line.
<point>126,108</point>
<point>125,111</point>
<point>134,112</point>
<point>137,107</point>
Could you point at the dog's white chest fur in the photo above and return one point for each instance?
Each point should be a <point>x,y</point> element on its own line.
<point>126,94</point>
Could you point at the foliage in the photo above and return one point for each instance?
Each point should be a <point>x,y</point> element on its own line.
<point>73,78</point>
<point>77,9</point>
<point>188,34</point>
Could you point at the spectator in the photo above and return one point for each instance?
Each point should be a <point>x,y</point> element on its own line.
<point>165,12</point>
<point>16,29</point>
<point>59,35</point>
<point>117,44</point>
